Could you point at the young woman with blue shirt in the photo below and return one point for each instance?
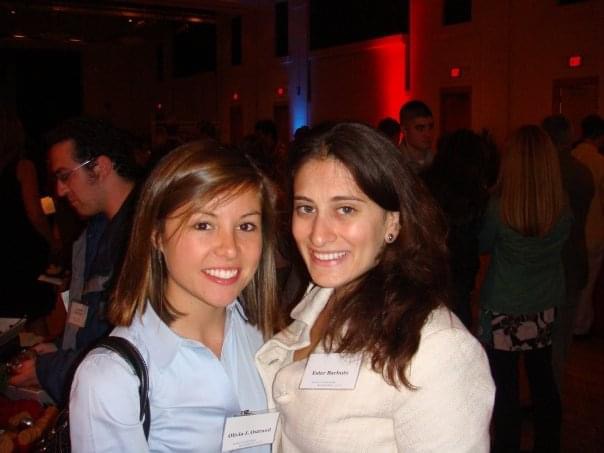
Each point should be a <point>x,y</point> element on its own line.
<point>196,297</point>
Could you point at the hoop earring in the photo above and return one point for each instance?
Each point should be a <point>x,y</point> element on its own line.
<point>390,238</point>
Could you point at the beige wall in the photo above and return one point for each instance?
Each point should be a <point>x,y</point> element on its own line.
<point>510,54</point>
<point>361,82</point>
<point>120,80</point>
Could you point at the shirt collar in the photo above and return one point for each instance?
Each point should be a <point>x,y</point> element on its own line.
<point>162,342</point>
<point>305,314</point>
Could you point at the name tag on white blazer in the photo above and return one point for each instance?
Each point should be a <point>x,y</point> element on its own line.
<point>249,430</point>
<point>331,371</point>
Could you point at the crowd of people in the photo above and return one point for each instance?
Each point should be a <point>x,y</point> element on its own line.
<point>331,282</point>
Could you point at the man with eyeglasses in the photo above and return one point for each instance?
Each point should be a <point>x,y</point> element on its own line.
<point>94,169</point>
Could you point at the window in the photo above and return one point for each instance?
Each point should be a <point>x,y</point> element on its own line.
<point>338,22</point>
<point>194,50</point>
<point>457,11</point>
<point>236,41</point>
<point>281,30</point>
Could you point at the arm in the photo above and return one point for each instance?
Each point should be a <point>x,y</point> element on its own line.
<point>104,406</point>
<point>451,408</point>
<point>28,180</point>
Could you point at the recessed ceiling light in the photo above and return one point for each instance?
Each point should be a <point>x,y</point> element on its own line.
<point>75,40</point>
<point>12,11</point>
<point>19,36</point>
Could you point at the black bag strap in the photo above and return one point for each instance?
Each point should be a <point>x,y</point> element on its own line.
<point>131,354</point>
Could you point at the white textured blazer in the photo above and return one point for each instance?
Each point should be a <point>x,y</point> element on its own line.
<point>449,411</point>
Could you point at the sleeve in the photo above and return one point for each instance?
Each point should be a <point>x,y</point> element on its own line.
<point>52,370</point>
<point>104,406</point>
<point>450,409</point>
<point>488,231</point>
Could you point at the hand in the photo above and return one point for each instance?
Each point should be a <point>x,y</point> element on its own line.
<point>26,375</point>
<point>44,348</point>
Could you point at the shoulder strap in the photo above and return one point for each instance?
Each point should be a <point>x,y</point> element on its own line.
<point>131,354</point>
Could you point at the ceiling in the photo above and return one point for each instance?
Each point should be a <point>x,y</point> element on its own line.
<point>77,23</point>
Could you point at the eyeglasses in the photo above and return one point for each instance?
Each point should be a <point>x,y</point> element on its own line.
<point>64,175</point>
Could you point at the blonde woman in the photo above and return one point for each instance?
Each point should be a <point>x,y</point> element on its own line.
<point>525,227</point>
<point>196,297</point>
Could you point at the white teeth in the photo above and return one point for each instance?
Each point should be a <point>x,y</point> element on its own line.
<point>222,273</point>
<point>329,256</point>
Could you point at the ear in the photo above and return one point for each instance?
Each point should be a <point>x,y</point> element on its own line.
<point>103,167</point>
<point>393,224</point>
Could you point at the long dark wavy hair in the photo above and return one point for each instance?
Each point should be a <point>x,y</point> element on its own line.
<point>382,312</point>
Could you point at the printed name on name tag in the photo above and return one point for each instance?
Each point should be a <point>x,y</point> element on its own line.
<point>331,371</point>
<point>77,314</point>
<point>249,430</point>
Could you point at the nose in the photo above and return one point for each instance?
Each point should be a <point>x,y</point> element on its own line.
<point>226,245</point>
<point>62,188</point>
<point>322,232</point>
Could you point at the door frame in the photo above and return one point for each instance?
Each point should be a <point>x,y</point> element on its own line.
<point>465,89</point>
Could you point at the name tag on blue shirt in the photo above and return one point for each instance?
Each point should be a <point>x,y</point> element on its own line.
<point>251,430</point>
<point>331,371</point>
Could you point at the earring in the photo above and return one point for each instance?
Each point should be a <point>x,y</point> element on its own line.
<point>390,238</point>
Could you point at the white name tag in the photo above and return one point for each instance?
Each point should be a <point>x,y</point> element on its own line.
<point>77,314</point>
<point>249,430</point>
<point>331,371</point>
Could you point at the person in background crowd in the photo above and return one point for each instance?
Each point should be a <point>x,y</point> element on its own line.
<point>207,130</point>
<point>301,133</point>
<point>94,169</point>
<point>196,296</point>
<point>579,186</point>
<point>25,233</point>
<point>391,129</point>
<point>417,124</point>
<point>458,181</point>
<point>374,245</point>
<point>586,152</point>
<point>525,228</point>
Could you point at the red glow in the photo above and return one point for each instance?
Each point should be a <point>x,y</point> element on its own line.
<point>159,106</point>
<point>389,55</point>
<point>235,96</point>
<point>575,61</point>
<point>280,91</point>
<point>455,72</point>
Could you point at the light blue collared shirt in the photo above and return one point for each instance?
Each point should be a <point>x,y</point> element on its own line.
<point>191,391</point>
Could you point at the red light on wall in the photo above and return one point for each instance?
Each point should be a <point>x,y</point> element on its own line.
<point>280,91</point>
<point>235,96</point>
<point>455,72</point>
<point>575,61</point>
<point>159,106</point>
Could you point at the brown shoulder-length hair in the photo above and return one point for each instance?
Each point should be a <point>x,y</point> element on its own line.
<point>192,175</point>
<point>383,311</point>
<point>530,183</point>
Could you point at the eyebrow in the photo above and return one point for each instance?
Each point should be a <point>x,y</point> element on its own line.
<point>211,214</point>
<point>336,198</point>
<point>252,213</point>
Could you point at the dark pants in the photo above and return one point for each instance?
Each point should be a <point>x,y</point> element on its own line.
<point>507,417</point>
